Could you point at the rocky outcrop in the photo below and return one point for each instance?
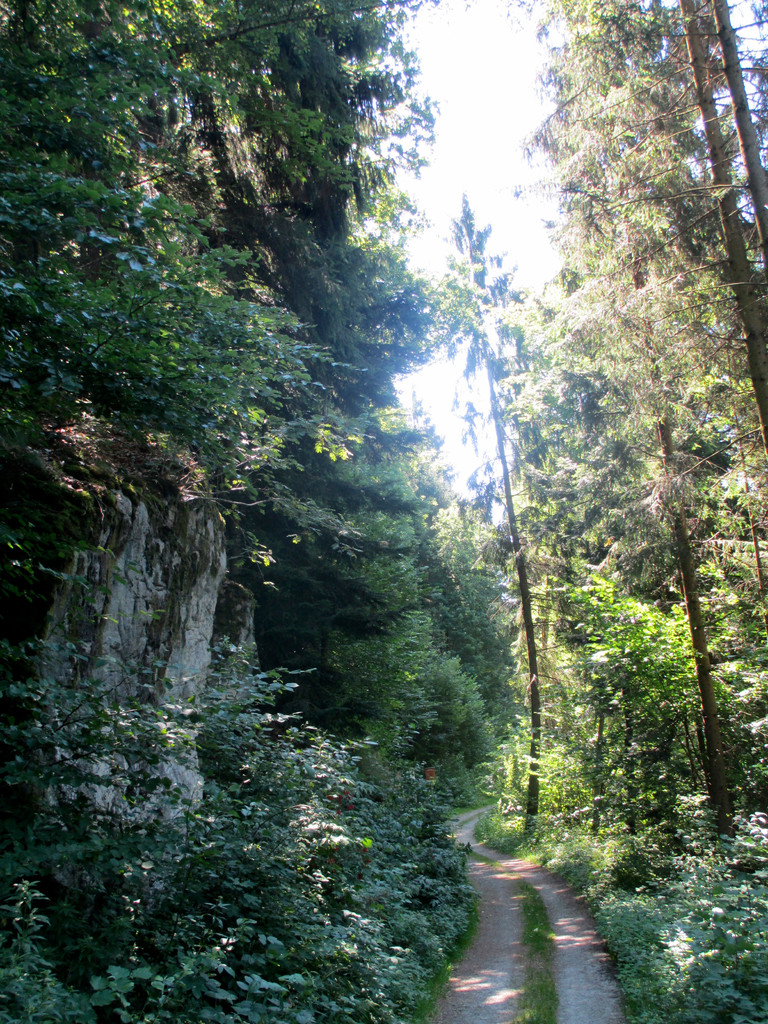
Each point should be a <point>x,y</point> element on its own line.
<point>133,619</point>
<point>234,615</point>
<point>115,599</point>
<point>137,610</point>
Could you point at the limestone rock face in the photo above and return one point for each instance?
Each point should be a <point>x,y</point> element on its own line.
<point>135,618</point>
<point>141,600</point>
<point>234,614</point>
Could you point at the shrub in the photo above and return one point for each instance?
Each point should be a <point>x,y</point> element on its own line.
<point>688,930</point>
<point>295,890</point>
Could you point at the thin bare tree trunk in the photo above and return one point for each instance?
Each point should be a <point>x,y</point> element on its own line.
<point>692,761</point>
<point>745,128</point>
<point>630,783</point>
<point>598,790</point>
<point>472,243</point>
<point>755,541</point>
<point>526,602</point>
<point>739,267</point>
<point>717,778</point>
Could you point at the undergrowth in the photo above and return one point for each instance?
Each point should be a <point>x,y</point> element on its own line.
<point>291,890</point>
<point>425,1008</point>
<point>687,925</point>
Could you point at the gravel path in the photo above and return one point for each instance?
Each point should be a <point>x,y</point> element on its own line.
<point>483,988</point>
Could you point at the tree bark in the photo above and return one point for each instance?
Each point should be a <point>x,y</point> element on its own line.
<point>739,267</point>
<point>598,788</point>
<point>717,778</point>
<point>689,751</point>
<point>526,602</point>
<point>629,769</point>
<point>755,541</point>
<point>745,128</point>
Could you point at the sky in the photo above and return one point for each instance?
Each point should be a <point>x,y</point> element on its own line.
<point>480,66</point>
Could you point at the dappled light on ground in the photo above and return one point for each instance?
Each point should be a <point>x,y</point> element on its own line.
<point>485,987</point>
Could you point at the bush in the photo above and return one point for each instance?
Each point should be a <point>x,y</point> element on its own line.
<point>29,990</point>
<point>688,930</point>
<point>295,890</point>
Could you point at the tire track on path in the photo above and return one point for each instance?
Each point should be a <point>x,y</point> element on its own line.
<point>484,987</point>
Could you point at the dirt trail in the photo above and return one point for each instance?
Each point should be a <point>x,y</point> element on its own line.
<point>484,987</point>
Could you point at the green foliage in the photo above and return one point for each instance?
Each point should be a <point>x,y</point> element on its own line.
<point>425,1010</point>
<point>687,929</point>
<point>30,989</point>
<point>638,672</point>
<point>630,360</point>
<point>113,301</point>
<point>621,746</point>
<point>371,600</point>
<point>468,605</point>
<point>174,182</point>
<point>702,938</point>
<point>291,887</point>
<point>200,253</point>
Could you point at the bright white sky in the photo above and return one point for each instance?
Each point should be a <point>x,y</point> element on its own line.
<point>479,64</point>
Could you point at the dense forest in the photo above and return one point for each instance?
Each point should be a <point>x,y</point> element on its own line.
<point>254,648</point>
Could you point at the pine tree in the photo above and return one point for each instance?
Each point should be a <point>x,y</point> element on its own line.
<point>471,243</point>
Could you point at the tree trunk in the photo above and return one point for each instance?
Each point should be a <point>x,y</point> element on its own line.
<point>693,763</point>
<point>598,789</point>
<point>755,541</point>
<point>472,243</point>
<point>630,785</point>
<point>526,602</point>
<point>745,128</point>
<point>717,779</point>
<point>739,267</point>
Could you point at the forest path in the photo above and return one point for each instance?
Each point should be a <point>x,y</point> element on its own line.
<point>484,987</point>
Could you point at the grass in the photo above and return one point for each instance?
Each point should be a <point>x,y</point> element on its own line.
<point>538,1000</point>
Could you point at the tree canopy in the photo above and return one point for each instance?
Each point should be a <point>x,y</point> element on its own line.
<point>206,303</point>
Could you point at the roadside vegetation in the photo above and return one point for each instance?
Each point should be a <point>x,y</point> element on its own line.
<point>425,1008</point>
<point>686,925</point>
<point>205,305</point>
<point>295,890</point>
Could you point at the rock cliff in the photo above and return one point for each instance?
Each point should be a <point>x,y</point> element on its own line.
<point>139,595</point>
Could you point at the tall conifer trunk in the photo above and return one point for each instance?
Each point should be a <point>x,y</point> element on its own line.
<point>526,602</point>
<point>739,267</point>
<point>755,541</point>
<point>745,128</point>
<point>472,243</point>
<point>716,776</point>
